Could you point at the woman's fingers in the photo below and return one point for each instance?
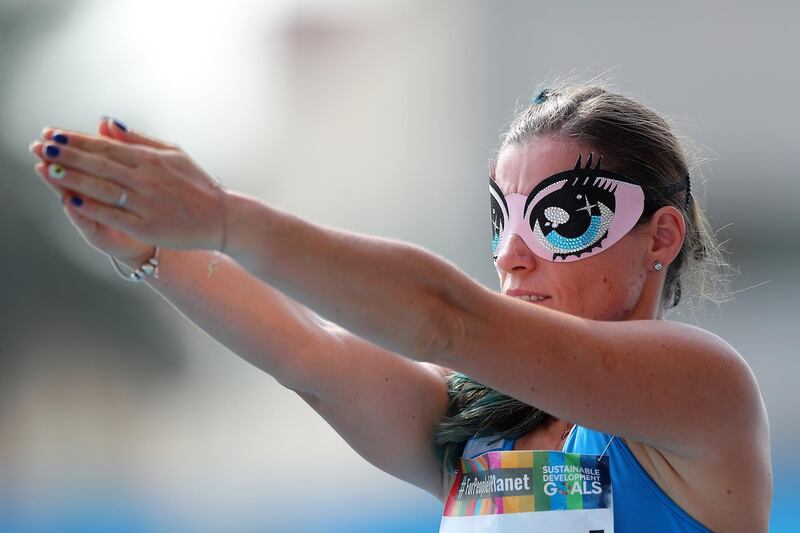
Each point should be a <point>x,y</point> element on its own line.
<point>126,154</point>
<point>59,177</point>
<point>118,219</point>
<point>86,162</point>
<point>110,127</point>
<point>37,149</point>
<point>86,226</point>
<point>172,195</point>
<point>60,191</point>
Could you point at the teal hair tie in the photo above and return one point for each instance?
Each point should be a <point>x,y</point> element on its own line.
<point>541,97</point>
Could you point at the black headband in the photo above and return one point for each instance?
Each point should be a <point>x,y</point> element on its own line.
<point>672,188</point>
<point>665,191</point>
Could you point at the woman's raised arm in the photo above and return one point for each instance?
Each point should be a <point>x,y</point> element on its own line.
<point>638,379</point>
<point>385,406</point>
<point>399,296</point>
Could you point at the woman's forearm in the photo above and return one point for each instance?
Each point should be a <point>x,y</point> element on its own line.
<point>252,319</point>
<point>392,293</point>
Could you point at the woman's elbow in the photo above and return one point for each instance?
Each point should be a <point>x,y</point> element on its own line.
<point>444,330</point>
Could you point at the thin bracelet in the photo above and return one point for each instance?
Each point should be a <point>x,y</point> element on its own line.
<point>219,186</point>
<point>148,268</point>
<point>212,266</point>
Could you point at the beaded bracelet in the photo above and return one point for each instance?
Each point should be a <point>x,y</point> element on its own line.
<point>148,268</point>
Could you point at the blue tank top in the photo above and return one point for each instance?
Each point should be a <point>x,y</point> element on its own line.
<point>639,504</point>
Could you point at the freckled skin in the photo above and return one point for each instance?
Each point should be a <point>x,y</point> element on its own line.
<point>610,360</point>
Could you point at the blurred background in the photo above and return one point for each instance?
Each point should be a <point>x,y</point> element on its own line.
<point>118,414</point>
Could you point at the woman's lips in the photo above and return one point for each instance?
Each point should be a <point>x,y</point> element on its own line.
<point>532,299</point>
<point>527,296</point>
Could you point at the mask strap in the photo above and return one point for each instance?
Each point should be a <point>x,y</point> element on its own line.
<point>672,188</point>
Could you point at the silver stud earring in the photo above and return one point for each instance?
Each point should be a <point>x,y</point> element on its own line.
<point>658,265</point>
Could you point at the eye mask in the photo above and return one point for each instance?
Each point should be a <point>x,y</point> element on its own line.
<point>570,215</point>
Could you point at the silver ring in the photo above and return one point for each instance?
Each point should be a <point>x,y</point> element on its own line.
<point>123,197</point>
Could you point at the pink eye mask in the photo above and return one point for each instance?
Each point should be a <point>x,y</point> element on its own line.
<point>571,215</point>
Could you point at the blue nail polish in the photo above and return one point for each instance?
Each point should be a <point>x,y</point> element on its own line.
<point>121,125</point>
<point>60,138</point>
<point>77,202</point>
<point>51,151</point>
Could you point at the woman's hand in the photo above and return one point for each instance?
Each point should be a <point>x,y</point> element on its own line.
<point>170,201</point>
<point>102,237</point>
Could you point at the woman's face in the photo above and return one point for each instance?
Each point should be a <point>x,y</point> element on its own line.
<point>609,285</point>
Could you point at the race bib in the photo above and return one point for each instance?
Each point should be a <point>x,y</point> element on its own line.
<point>531,491</point>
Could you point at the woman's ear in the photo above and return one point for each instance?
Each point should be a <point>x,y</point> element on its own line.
<point>667,230</point>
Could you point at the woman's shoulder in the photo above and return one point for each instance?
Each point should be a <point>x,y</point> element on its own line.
<point>718,360</point>
<point>722,362</point>
<point>741,423</point>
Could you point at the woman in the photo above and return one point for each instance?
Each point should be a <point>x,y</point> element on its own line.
<point>651,425</point>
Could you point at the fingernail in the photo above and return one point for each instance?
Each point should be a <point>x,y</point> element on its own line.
<point>77,202</point>
<point>60,138</point>
<point>32,146</point>
<point>55,171</point>
<point>121,125</point>
<point>51,151</point>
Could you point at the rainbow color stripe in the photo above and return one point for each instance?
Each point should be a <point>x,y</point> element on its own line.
<point>516,481</point>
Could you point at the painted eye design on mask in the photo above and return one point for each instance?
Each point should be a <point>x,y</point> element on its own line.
<point>572,216</point>
<point>568,216</point>
<point>498,214</point>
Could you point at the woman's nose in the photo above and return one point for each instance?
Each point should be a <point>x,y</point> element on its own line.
<point>515,255</point>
